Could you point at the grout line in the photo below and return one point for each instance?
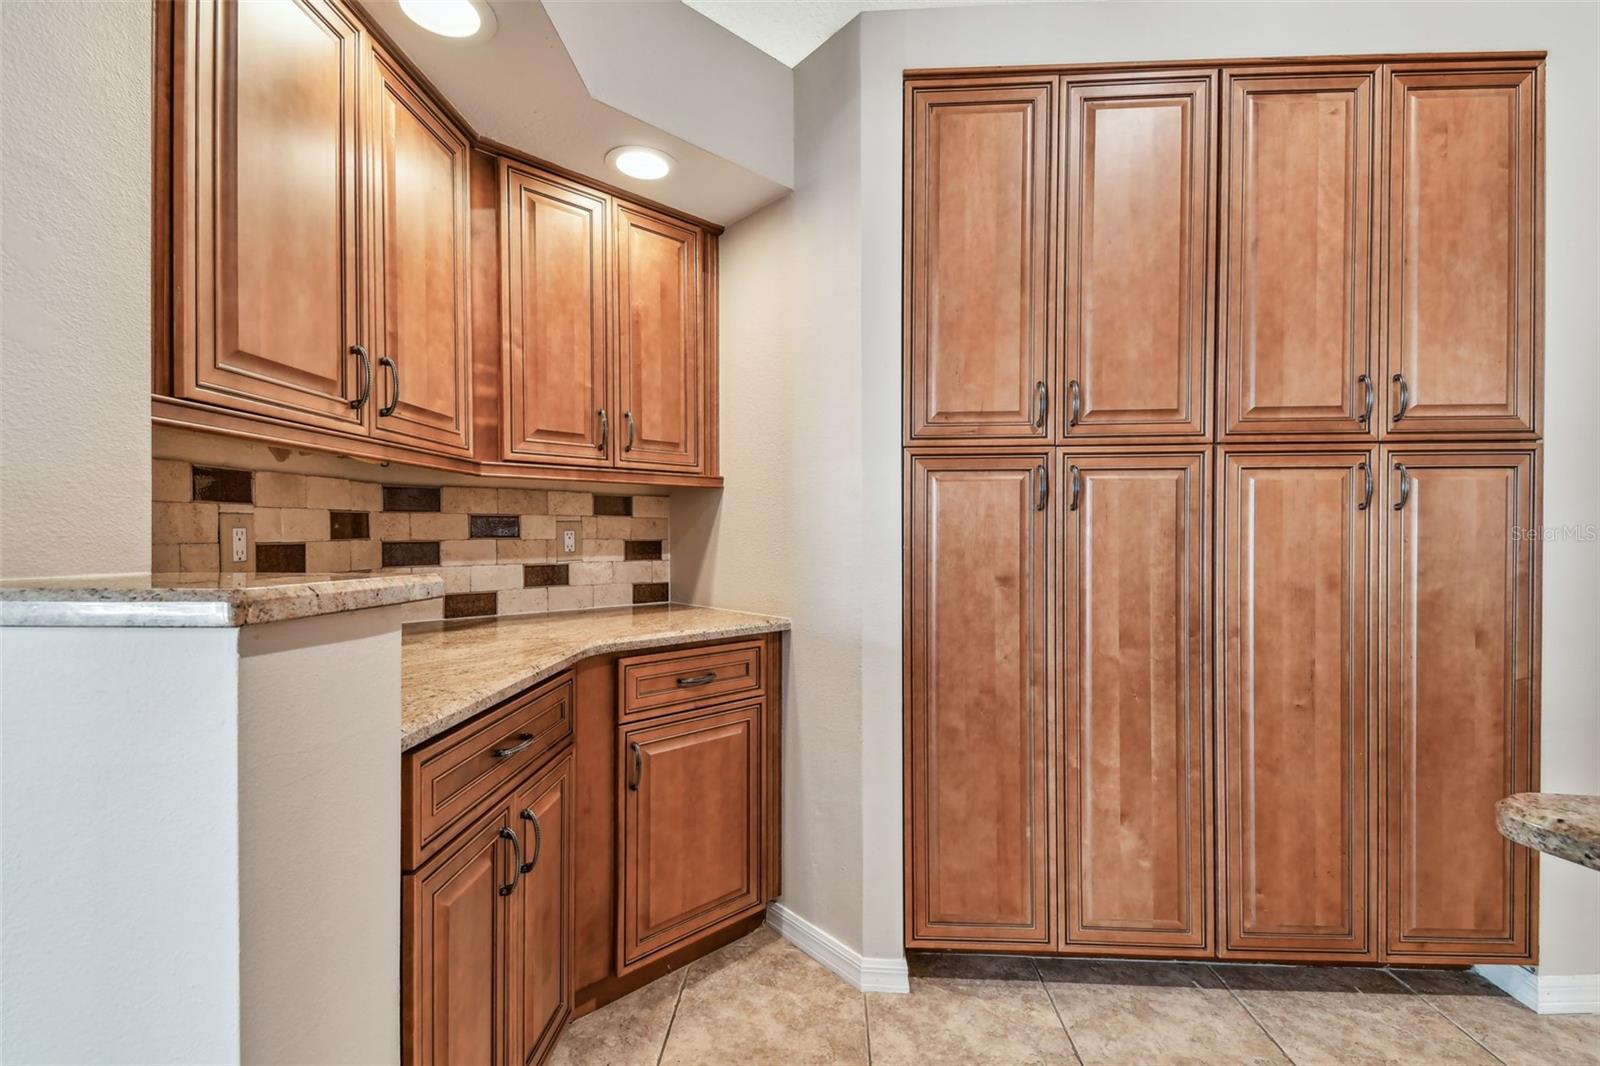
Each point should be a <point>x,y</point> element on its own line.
<point>1071,1043</point>
<point>866,1018</point>
<point>675,1004</point>
<point>1250,1013</point>
<point>1440,1011</point>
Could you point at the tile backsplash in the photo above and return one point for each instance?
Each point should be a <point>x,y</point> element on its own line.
<point>496,548</point>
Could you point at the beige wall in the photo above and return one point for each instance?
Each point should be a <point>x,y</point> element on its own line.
<point>75,275</point>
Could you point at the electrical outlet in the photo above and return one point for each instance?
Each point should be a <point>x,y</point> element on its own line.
<point>236,534</point>
<point>569,538</point>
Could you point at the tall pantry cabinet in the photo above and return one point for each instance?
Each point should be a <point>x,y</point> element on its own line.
<point>1221,467</point>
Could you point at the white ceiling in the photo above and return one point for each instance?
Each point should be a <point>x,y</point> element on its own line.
<point>790,30</point>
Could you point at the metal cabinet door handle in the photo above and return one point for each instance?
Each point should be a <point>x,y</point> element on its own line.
<point>1077,487</point>
<point>1041,399</point>
<point>394,373</point>
<point>516,861</point>
<point>366,377</point>
<point>605,429</point>
<point>1366,498</point>
<point>1367,398</point>
<point>524,740</point>
<point>1075,402</point>
<point>638,768</point>
<point>697,680</point>
<point>627,420</point>
<point>538,840</point>
<point>1405,397</point>
<point>1405,486</point>
<point>1041,475</point>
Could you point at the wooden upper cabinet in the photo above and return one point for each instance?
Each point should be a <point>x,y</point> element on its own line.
<point>1136,699</point>
<point>979,791</point>
<point>661,374</point>
<point>1464,270</point>
<point>1140,243</point>
<point>1296,689</point>
<point>978,313</point>
<point>265,209</point>
<point>1299,319</point>
<point>1462,699</point>
<point>542,920</point>
<point>420,344</point>
<point>556,371</point>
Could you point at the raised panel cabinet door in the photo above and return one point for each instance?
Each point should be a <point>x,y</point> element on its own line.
<point>1296,689</point>
<point>1462,699</point>
<point>420,344</point>
<point>456,961</point>
<point>1298,318</point>
<point>1464,276</point>
<point>1141,153</point>
<point>543,910</point>
<point>978,296</point>
<point>979,786</point>
<point>661,366</point>
<point>691,813</point>
<point>1136,700</point>
<point>265,187</point>
<point>556,377</point>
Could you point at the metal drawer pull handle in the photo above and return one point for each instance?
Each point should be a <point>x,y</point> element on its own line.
<point>605,429</point>
<point>1366,499</point>
<point>1405,485</point>
<point>1042,398</point>
<point>516,860</point>
<point>627,420</point>
<point>366,377</point>
<point>1405,397</point>
<point>1043,482</point>
<point>1367,398</point>
<point>394,372</point>
<point>1077,487</point>
<point>638,768</point>
<point>524,741</point>
<point>1075,391</point>
<point>538,840</point>
<point>698,679</point>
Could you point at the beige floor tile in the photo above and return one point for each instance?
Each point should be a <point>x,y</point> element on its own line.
<point>761,1001</point>
<point>968,1009</point>
<point>1509,1030</point>
<point>1152,1012</point>
<point>629,1032</point>
<point>1340,1014</point>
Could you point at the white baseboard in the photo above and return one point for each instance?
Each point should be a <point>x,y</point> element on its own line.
<point>1546,993</point>
<point>869,975</point>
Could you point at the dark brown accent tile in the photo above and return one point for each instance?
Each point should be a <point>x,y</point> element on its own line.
<point>470,604</point>
<point>650,592</point>
<point>220,485</point>
<point>349,525</point>
<point>410,553</point>
<point>494,525</point>
<point>641,549</point>
<point>280,558</point>
<point>409,498</point>
<point>539,575</point>
<point>614,506</point>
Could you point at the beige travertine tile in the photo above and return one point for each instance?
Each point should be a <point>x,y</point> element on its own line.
<point>602,549</point>
<point>651,506</point>
<point>760,1000</point>
<point>183,523</point>
<point>629,1032</point>
<point>456,578</point>
<point>366,496</point>
<point>466,551</point>
<point>522,551</point>
<point>524,601</point>
<point>1511,1032</point>
<point>538,527</point>
<point>171,481</point>
<point>571,597</point>
<point>164,558</point>
<point>1339,1014</point>
<point>279,490</point>
<point>571,503</point>
<point>968,1009</point>
<point>327,557</point>
<point>521,501</point>
<point>648,529</point>
<point>302,523</point>
<point>330,492</point>
<point>613,595</point>
<point>365,554</point>
<point>423,611</point>
<point>456,500</point>
<point>591,573</point>
<point>1152,1012</point>
<point>199,558</point>
<point>428,526</point>
<point>635,571</point>
<point>495,578</point>
<point>391,525</point>
<point>660,570</point>
<point>611,528</point>
<point>269,524</point>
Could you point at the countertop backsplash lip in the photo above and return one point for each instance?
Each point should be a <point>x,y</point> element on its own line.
<point>456,669</point>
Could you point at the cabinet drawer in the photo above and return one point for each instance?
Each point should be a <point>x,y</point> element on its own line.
<point>445,780</point>
<point>674,680</point>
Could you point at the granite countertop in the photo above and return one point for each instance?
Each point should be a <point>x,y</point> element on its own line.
<point>1565,826</point>
<point>452,670</point>
<point>199,600</point>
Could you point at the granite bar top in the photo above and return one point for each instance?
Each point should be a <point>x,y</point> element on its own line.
<point>452,670</point>
<point>200,600</point>
<point>1565,826</point>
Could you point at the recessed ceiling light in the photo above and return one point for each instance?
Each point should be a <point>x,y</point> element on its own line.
<point>460,19</point>
<point>646,164</point>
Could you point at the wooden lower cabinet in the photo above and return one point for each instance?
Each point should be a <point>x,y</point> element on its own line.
<point>542,911</point>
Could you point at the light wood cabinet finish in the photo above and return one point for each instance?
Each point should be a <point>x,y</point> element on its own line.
<point>1296,693</point>
<point>1463,275</point>
<point>977,325</point>
<point>1462,695</point>
<point>542,906</point>
<point>1136,700</point>
<point>1298,315</point>
<point>979,789</point>
<point>673,681</point>
<point>1141,155</point>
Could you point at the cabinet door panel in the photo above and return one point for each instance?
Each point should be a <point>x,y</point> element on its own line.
<point>660,360</point>
<point>1139,251</point>
<point>1298,315</point>
<point>979,793</point>
<point>1461,700</point>
<point>978,217</point>
<point>556,372</point>
<point>265,183</point>
<point>543,910</point>
<point>691,815</point>
<point>1296,687</point>
<point>1137,703</point>
<point>1463,281</point>
<point>420,183</point>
